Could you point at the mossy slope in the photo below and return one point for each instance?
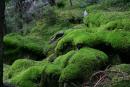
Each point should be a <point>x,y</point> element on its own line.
<point>27,73</point>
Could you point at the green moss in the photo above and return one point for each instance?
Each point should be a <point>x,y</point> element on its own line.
<point>28,78</point>
<point>115,5</point>
<point>120,24</point>
<point>25,72</point>
<point>6,69</point>
<point>77,37</point>
<point>36,41</point>
<point>96,19</point>
<point>71,72</point>
<point>20,65</point>
<point>17,40</point>
<point>118,39</point>
<point>13,39</point>
<point>59,63</point>
<point>83,63</point>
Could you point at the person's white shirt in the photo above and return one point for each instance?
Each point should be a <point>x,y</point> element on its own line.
<point>85,13</point>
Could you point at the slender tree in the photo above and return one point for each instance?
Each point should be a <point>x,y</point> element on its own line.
<point>2,30</point>
<point>19,10</point>
<point>71,2</point>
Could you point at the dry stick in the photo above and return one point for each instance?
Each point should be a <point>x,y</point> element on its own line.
<point>96,74</point>
<point>99,80</point>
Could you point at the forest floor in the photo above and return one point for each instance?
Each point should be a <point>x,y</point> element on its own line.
<point>76,51</point>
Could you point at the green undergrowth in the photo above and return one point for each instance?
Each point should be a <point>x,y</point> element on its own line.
<point>110,5</point>
<point>37,41</point>
<point>117,39</point>
<point>24,42</point>
<point>96,19</point>
<point>27,73</point>
<point>6,70</point>
<point>74,65</point>
<point>83,63</point>
<point>119,75</point>
<point>115,5</point>
<point>75,56</point>
<point>121,68</point>
<point>28,78</point>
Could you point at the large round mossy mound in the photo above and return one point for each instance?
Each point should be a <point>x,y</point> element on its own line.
<point>72,66</point>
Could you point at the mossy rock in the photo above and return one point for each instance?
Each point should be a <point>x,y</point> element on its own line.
<point>120,24</point>
<point>29,77</point>
<point>13,39</point>
<point>117,39</point>
<point>20,65</point>
<point>74,65</point>
<point>83,63</point>
<point>6,69</point>
<point>24,42</point>
<point>24,45</point>
<point>25,72</point>
<point>53,70</point>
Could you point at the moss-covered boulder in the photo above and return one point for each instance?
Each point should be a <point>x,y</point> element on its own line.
<point>52,72</point>
<point>25,72</point>
<point>117,39</point>
<point>74,65</point>
<point>83,63</point>
<point>28,78</point>
<point>108,41</point>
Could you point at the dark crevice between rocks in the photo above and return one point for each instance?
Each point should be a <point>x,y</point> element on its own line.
<point>33,55</point>
<point>66,47</point>
<point>57,36</point>
<point>75,20</point>
<point>48,80</point>
<point>37,80</point>
<point>123,54</point>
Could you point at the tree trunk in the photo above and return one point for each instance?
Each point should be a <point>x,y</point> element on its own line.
<point>71,2</point>
<point>19,8</point>
<point>2,32</point>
